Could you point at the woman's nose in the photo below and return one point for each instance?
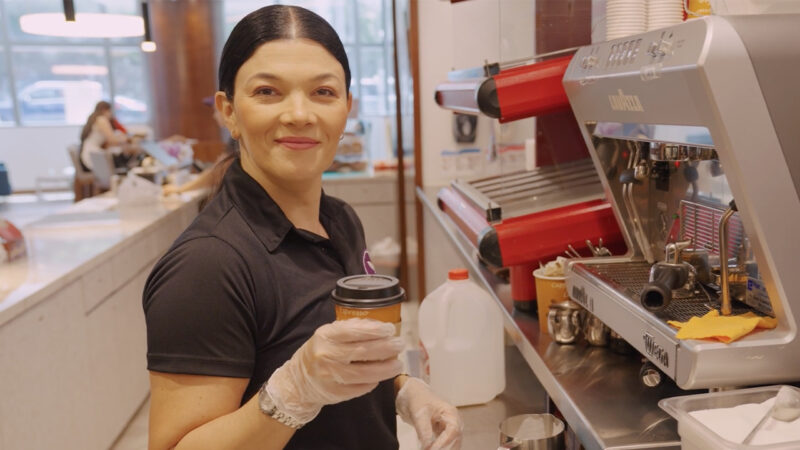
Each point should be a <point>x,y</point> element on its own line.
<point>298,111</point>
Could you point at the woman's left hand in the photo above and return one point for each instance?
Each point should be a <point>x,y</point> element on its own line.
<point>437,423</point>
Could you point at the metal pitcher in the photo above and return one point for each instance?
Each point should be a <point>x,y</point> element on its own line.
<point>594,330</point>
<point>564,321</point>
<point>532,432</point>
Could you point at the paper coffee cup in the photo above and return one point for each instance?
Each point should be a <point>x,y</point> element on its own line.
<point>549,290</point>
<point>375,297</point>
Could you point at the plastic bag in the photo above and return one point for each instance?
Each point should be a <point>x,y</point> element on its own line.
<point>137,191</point>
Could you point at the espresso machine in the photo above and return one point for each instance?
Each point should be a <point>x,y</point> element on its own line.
<point>692,130</point>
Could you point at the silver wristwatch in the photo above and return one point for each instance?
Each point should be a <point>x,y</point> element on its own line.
<point>268,407</point>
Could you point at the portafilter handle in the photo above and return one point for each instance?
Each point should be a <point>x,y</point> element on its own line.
<point>664,277</point>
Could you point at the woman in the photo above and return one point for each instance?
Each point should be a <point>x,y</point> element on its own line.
<point>99,134</point>
<point>241,349</point>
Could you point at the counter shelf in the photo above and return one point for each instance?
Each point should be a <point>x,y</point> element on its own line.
<point>598,392</point>
<point>72,331</point>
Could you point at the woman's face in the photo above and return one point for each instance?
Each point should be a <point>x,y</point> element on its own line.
<point>288,111</point>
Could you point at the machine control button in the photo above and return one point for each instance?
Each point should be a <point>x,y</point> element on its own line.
<point>662,47</point>
<point>587,62</point>
<point>652,48</point>
<point>665,47</point>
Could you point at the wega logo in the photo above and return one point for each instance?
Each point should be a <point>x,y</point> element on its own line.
<point>622,102</point>
<point>579,295</point>
<point>652,348</point>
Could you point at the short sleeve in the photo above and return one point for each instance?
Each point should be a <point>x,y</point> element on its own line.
<point>358,227</point>
<point>199,311</point>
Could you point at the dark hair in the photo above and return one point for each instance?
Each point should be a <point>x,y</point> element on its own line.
<point>271,23</point>
<point>99,108</point>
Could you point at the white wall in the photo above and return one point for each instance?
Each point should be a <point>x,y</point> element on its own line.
<point>29,152</point>
<point>460,36</point>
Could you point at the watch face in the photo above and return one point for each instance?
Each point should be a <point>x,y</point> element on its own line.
<point>269,408</point>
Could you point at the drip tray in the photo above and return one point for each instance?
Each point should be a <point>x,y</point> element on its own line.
<point>630,278</point>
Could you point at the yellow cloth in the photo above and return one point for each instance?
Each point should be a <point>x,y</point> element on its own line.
<point>721,328</point>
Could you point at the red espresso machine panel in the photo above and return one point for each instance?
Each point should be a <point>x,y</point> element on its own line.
<point>525,219</point>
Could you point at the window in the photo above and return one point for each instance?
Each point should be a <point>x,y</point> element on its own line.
<point>57,81</point>
<point>58,85</point>
<point>130,87</point>
<point>6,105</point>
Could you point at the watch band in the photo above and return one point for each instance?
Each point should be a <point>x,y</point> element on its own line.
<point>269,408</point>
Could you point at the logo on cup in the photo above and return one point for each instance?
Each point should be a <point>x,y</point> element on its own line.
<point>369,268</point>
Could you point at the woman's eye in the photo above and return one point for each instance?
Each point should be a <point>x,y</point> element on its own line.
<point>265,91</point>
<point>326,91</point>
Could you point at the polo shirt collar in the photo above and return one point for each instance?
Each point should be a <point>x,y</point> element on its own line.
<point>264,216</point>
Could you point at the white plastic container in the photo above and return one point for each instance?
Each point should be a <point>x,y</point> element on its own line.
<point>696,435</point>
<point>461,340</point>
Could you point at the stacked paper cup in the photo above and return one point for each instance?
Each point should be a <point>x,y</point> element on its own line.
<point>663,13</point>
<point>625,17</point>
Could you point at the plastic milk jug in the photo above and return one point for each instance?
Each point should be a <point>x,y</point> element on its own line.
<point>461,342</point>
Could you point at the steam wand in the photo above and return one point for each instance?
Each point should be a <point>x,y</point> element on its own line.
<point>725,308</point>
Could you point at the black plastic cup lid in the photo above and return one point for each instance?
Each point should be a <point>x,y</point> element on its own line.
<point>368,291</point>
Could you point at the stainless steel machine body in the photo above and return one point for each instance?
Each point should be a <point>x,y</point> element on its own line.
<point>679,122</point>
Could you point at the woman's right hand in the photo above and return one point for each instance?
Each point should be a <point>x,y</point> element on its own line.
<point>342,360</point>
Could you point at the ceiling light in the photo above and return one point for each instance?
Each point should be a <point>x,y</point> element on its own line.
<point>147,44</point>
<point>69,11</point>
<point>75,69</point>
<point>86,25</point>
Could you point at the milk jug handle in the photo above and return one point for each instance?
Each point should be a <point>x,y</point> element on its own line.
<point>444,306</point>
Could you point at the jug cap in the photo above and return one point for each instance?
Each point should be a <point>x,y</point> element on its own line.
<point>368,291</point>
<point>458,274</point>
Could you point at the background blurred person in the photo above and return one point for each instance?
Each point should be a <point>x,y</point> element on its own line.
<point>99,135</point>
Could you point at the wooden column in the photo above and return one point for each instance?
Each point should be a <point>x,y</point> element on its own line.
<point>183,71</point>
<point>413,49</point>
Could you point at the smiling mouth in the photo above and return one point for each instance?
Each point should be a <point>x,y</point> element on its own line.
<point>297,143</point>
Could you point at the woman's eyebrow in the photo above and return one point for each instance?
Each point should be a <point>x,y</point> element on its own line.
<point>265,76</point>
<point>273,77</point>
<point>324,76</point>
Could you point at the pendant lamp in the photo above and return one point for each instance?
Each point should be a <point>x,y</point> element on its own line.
<point>148,45</point>
<point>82,25</point>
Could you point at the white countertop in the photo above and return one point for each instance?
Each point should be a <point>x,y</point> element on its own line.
<point>64,246</point>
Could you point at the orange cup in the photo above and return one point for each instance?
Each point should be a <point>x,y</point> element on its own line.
<point>375,297</point>
<point>549,290</point>
<point>697,8</point>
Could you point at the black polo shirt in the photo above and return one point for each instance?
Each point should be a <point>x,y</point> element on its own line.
<point>242,289</point>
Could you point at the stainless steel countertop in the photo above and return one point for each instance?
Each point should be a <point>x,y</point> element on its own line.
<point>597,391</point>
<point>523,395</point>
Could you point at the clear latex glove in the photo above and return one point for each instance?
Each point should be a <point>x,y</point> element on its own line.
<point>342,360</point>
<point>437,422</point>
